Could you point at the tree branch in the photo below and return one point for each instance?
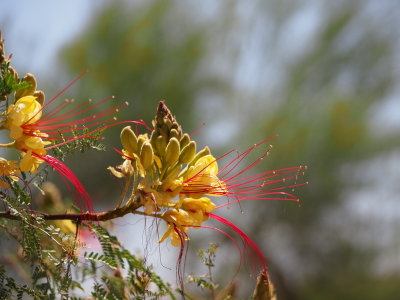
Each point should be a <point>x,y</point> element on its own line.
<point>78,217</point>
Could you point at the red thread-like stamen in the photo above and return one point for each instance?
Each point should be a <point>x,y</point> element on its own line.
<point>87,135</point>
<point>247,241</point>
<point>68,176</point>
<point>57,123</point>
<point>260,186</point>
<point>59,93</point>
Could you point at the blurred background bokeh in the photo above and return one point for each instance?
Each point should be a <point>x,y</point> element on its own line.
<point>322,74</point>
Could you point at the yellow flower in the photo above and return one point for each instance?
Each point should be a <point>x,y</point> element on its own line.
<point>29,163</point>
<point>198,208</point>
<point>192,213</point>
<point>28,145</point>
<point>25,111</point>
<point>178,236</point>
<point>33,143</point>
<point>10,169</point>
<point>177,219</point>
<point>202,178</point>
<point>170,188</point>
<point>124,170</point>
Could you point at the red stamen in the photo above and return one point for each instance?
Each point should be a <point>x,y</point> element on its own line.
<point>249,187</point>
<point>54,124</point>
<point>60,93</point>
<point>198,129</point>
<point>68,176</point>
<point>180,268</point>
<point>199,173</point>
<point>247,241</point>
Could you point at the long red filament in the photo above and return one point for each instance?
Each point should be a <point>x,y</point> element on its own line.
<point>262,261</point>
<point>69,177</point>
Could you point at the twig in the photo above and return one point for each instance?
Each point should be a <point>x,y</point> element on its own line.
<point>79,217</point>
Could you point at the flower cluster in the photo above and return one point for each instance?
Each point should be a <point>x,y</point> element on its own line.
<point>160,166</point>
<point>173,181</point>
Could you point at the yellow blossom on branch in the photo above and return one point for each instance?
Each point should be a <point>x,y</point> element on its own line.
<point>202,177</point>
<point>8,168</point>
<point>26,110</point>
<point>173,181</point>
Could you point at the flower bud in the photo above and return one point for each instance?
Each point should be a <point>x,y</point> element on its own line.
<point>129,140</point>
<point>200,154</point>
<point>173,134</point>
<point>161,144</point>
<point>13,72</point>
<point>173,173</point>
<point>141,139</point>
<point>185,140</point>
<point>28,91</point>
<point>188,153</point>
<point>172,151</point>
<point>167,123</point>
<point>146,155</point>
<point>39,95</point>
<point>153,138</point>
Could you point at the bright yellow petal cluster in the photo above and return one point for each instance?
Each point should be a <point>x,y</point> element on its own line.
<point>29,163</point>
<point>8,168</point>
<point>202,178</point>
<point>26,110</point>
<point>192,213</point>
<point>198,208</point>
<point>177,220</point>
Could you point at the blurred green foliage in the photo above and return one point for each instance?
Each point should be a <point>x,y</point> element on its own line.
<point>132,53</point>
<point>327,127</point>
